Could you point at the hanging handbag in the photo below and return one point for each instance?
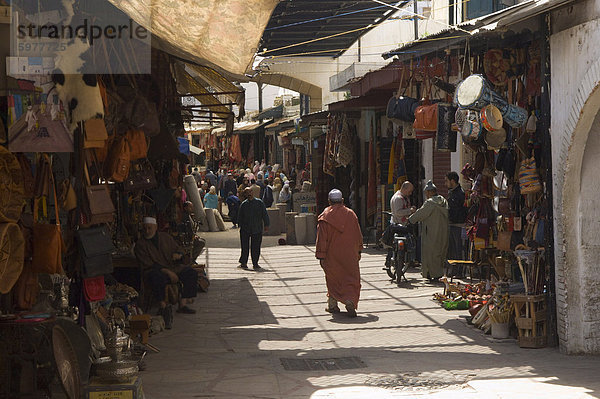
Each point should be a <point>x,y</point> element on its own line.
<point>504,240</point>
<point>141,176</point>
<point>401,108</point>
<point>48,245</point>
<point>94,288</point>
<point>95,134</point>
<point>482,226</point>
<point>66,197</point>
<point>138,145</point>
<point>529,181</point>
<point>118,162</point>
<point>98,207</point>
<point>426,121</point>
<point>95,251</point>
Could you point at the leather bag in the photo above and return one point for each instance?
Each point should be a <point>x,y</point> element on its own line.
<point>118,161</point>
<point>98,207</point>
<point>504,240</point>
<point>67,198</point>
<point>95,134</point>
<point>95,251</point>
<point>48,245</point>
<point>426,121</point>
<point>141,176</point>
<point>138,145</point>
<point>402,108</point>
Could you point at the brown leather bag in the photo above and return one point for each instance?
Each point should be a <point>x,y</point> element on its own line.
<point>426,121</point>
<point>138,145</point>
<point>95,134</point>
<point>98,207</point>
<point>118,161</point>
<point>504,240</point>
<point>48,245</point>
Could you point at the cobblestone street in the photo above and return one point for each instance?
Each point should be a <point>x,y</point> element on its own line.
<point>406,344</point>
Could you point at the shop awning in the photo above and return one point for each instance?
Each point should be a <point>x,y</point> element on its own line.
<point>360,103</point>
<point>196,150</point>
<point>220,84</point>
<point>222,33</point>
<point>270,113</point>
<point>314,119</point>
<point>186,84</point>
<point>248,127</point>
<point>487,23</point>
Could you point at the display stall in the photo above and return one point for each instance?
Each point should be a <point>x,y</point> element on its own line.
<point>75,301</point>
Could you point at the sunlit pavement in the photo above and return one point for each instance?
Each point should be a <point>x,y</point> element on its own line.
<point>410,347</point>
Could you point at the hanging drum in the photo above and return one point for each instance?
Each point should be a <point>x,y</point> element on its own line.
<point>446,137</point>
<point>12,192</point>
<point>469,124</point>
<point>475,93</point>
<point>12,255</point>
<point>491,118</point>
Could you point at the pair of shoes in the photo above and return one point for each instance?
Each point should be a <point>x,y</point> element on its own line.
<point>167,315</point>
<point>350,309</point>
<point>243,266</point>
<point>257,268</point>
<point>185,309</point>
<point>333,309</point>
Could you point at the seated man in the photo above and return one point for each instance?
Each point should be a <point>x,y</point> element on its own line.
<point>163,262</point>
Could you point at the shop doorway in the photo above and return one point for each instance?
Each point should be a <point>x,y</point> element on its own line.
<point>580,311</point>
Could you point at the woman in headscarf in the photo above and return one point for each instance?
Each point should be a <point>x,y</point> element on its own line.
<point>256,167</point>
<point>277,186</point>
<point>211,199</point>
<point>285,195</point>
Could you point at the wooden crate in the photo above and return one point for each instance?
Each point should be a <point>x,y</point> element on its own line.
<point>530,318</point>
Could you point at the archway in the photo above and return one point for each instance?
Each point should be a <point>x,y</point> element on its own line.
<point>291,83</point>
<point>577,241</point>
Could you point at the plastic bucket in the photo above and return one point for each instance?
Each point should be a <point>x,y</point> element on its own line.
<point>500,330</point>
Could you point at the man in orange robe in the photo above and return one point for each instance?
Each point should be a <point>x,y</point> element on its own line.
<point>339,244</point>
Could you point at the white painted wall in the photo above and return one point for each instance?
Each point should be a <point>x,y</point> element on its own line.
<point>575,127</point>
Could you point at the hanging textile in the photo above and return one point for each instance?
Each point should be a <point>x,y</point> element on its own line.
<point>372,186</point>
<point>400,169</point>
<point>392,166</point>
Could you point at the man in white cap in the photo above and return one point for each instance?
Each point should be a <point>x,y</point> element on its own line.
<point>339,246</point>
<point>433,214</point>
<point>163,262</point>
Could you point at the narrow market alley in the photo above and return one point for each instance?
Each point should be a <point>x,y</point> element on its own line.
<point>402,344</point>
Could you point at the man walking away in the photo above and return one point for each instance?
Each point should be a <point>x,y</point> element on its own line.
<point>233,203</point>
<point>339,245</point>
<point>434,232</point>
<point>253,220</point>
<point>457,214</point>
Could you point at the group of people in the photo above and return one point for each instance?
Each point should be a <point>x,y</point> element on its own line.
<point>269,183</point>
<point>442,223</point>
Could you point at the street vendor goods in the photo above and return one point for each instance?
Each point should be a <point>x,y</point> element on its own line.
<point>475,93</point>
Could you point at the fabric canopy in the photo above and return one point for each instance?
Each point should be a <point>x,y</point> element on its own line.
<point>187,84</point>
<point>224,33</point>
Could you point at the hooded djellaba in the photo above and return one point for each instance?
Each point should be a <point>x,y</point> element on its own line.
<point>433,215</point>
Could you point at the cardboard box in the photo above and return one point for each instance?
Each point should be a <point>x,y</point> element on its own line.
<point>131,389</point>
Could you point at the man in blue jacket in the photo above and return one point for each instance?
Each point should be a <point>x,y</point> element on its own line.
<point>253,219</point>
